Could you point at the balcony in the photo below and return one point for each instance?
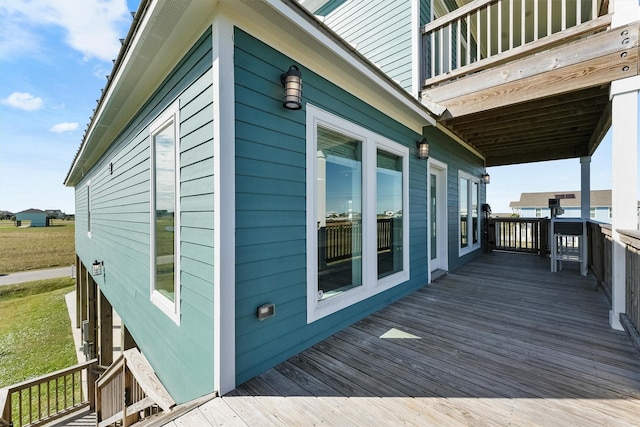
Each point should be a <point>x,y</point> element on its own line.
<point>502,340</point>
<point>526,80</point>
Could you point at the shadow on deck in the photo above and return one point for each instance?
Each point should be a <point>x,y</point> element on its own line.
<point>501,340</point>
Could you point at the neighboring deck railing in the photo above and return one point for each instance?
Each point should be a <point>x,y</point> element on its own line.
<point>44,399</point>
<point>529,235</point>
<point>455,43</point>
<point>129,391</point>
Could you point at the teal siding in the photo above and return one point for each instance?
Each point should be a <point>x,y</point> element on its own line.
<point>425,12</point>
<point>457,158</point>
<point>380,30</point>
<point>271,208</point>
<point>182,356</point>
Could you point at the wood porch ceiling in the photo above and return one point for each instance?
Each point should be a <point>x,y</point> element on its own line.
<point>547,105</point>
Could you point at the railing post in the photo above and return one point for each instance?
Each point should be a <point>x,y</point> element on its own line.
<point>5,406</point>
<point>91,385</point>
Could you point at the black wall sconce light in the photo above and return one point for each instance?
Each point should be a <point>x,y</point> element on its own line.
<point>423,149</point>
<point>292,82</point>
<point>486,178</point>
<point>96,268</point>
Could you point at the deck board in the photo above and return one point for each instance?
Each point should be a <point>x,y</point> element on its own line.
<point>500,341</point>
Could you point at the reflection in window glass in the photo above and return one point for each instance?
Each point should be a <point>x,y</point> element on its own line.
<point>463,202</point>
<point>389,213</point>
<point>339,204</point>
<point>474,211</point>
<point>165,200</point>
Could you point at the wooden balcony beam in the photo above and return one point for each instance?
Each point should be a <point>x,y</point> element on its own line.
<point>591,62</point>
<point>537,118</point>
<point>544,106</point>
<point>534,156</point>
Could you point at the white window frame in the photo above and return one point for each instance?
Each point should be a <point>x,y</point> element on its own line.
<point>471,246</point>
<point>89,212</point>
<point>371,284</point>
<point>170,308</point>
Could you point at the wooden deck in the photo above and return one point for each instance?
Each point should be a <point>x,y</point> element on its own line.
<point>500,341</point>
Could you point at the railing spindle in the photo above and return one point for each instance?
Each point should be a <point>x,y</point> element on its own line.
<point>511,24</point>
<point>499,33</point>
<point>549,20</point>
<point>523,22</point>
<point>536,11</point>
<point>564,15</point>
<point>578,12</point>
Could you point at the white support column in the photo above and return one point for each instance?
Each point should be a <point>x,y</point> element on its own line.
<point>624,169</point>
<point>585,187</point>
<point>624,164</point>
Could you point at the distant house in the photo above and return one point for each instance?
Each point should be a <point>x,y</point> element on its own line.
<point>55,213</point>
<point>536,205</point>
<point>6,214</point>
<point>37,217</point>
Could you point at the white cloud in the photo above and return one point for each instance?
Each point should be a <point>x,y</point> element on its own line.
<point>92,27</point>
<point>23,101</point>
<point>64,127</point>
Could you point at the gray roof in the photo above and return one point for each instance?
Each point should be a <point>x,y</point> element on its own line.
<point>568,199</point>
<point>32,210</point>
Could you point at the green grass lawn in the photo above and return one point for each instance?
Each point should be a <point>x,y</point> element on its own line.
<point>35,330</point>
<point>35,248</point>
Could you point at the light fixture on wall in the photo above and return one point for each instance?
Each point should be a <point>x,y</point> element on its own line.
<point>96,268</point>
<point>486,178</point>
<point>423,149</point>
<point>292,82</point>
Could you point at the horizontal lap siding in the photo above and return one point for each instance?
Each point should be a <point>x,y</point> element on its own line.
<point>380,30</point>
<point>457,158</point>
<point>182,356</point>
<point>271,207</point>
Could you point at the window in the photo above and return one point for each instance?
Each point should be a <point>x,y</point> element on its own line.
<point>89,209</point>
<point>538,212</point>
<point>357,199</point>
<point>165,227</point>
<point>610,212</point>
<point>592,212</point>
<point>468,218</point>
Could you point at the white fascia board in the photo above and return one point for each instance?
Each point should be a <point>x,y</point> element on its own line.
<point>309,44</point>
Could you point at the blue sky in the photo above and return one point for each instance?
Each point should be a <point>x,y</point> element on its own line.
<point>54,56</point>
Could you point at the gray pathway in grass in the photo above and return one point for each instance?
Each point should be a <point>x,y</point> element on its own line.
<point>30,276</point>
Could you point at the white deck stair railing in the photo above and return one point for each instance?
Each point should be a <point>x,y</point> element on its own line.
<point>485,28</point>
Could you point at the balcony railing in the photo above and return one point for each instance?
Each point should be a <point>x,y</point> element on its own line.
<point>530,235</point>
<point>41,400</point>
<point>459,41</point>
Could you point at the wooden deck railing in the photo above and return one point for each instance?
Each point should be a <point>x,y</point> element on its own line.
<point>600,250</point>
<point>129,391</point>
<point>41,400</point>
<point>632,280</point>
<point>519,235</point>
<point>600,264</point>
<point>485,29</point>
